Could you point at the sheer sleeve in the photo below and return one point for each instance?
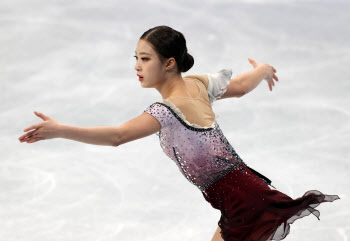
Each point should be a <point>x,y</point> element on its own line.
<point>160,112</point>
<point>217,84</point>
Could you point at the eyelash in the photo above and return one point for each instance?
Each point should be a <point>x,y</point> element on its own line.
<point>141,58</point>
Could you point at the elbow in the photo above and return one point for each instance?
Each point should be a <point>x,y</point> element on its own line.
<point>116,138</point>
<point>117,143</point>
<point>241,94</point>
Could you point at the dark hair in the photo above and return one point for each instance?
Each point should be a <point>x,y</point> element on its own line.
<point>168,42</point>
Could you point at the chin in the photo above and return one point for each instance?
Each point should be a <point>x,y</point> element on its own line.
<point>143,85</point>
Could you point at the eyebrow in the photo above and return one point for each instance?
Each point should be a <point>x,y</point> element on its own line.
<point>144,53</point>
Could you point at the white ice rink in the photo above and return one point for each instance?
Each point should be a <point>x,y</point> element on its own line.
<point>73,61</point>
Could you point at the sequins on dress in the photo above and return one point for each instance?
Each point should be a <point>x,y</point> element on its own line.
<point>250,209</point>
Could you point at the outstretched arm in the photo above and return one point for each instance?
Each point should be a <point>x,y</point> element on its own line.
<point>139,127</point>
<point>246,82</point>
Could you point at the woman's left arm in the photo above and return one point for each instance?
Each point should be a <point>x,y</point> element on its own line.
<point>250,80</point>
<point>246,82</point>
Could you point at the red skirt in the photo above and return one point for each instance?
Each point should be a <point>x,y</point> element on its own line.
<point>252,211</point>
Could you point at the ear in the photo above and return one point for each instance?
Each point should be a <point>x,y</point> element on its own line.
<point>170,63</point>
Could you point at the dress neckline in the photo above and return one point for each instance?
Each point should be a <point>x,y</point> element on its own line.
<point>183,117</point>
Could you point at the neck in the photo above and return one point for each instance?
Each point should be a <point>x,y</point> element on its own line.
<point>174,84</point>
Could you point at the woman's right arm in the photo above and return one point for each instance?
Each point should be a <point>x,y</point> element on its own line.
<point>139,127</point>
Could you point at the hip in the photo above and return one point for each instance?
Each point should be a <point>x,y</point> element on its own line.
<point>241,178</point>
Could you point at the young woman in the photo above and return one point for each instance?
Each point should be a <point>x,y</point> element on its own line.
<point>190,135</point>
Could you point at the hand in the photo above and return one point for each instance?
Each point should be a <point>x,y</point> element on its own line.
<point>47,129</point>
<point>268,70</point>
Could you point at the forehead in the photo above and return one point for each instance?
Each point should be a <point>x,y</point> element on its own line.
<point>143,47</point>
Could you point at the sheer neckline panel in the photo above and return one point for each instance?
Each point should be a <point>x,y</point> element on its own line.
<point>199,95</point>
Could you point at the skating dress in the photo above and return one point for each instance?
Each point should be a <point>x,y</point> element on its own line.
<point>251,210</point>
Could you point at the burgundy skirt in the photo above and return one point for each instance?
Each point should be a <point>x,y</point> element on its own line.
<point>252,211</point>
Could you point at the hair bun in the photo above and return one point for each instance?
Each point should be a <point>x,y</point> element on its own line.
<point>187,63</point>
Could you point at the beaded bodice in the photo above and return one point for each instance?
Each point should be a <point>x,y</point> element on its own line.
<point>202,154</point>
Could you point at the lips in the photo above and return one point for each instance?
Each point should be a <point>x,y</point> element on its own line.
<point>140,77</point>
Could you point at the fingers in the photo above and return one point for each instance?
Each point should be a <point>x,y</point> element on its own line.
<point>41,115</point>
<point>33,135</point>
<point>36,126</point>
<point>32,138</point>
<point>270,80</point>
<point>27,135</point>
<point>252,62</point>
<point>31,127</point>
<point>274,76</point>
<point>269,83</point>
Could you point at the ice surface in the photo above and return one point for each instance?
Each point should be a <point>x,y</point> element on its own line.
<point>73,61</point>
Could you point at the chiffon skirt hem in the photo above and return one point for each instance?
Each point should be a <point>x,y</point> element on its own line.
<point>252,211</point>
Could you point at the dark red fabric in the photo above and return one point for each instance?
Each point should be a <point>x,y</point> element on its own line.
<point>252,211</point>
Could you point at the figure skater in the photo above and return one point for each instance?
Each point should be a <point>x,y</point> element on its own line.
<point>251,210</point>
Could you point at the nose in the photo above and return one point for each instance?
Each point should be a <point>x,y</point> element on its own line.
<point>137,67</point>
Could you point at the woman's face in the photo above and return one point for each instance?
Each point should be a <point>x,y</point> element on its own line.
<point>148,65</point>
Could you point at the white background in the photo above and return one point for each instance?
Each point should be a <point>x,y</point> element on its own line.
<point>73,61</point>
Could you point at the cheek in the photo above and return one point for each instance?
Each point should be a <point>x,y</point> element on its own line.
<point>158,70</point>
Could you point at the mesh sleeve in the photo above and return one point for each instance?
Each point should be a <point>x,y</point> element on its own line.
<point>218,82</point>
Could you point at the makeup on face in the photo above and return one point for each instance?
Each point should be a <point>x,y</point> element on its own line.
<point>143,57</point>
<point>140,77</point>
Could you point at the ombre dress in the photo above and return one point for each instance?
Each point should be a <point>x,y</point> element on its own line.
<point>251,210</point>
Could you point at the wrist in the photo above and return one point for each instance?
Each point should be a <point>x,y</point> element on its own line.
<point>262,68</point>
<point>61,130</point>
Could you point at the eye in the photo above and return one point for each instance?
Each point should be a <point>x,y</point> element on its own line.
<point>141,58</point>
